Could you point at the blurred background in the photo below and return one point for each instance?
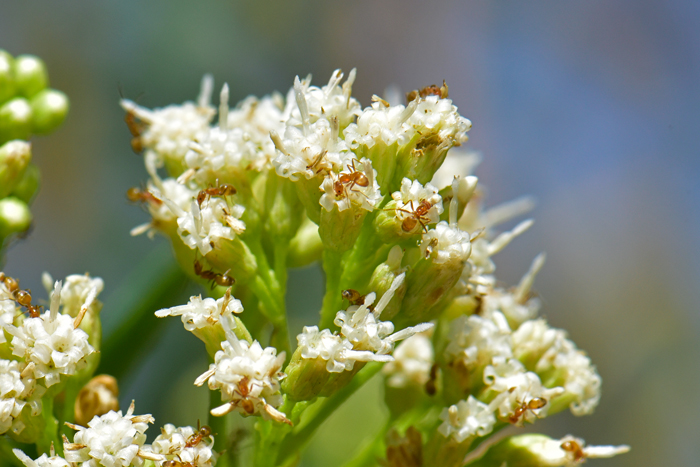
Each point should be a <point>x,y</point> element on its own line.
<point>591,107</point>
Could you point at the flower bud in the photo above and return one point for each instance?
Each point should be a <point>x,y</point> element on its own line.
<point>14,158</point>
<point>465,188</point>
<point>28,186</point>
<point>15,216</point>
<point>306,377</point>
<point>15,120</point>
<point>340,229</point>
<point>7,78</point>
<point>306,246</point>
<point>30,75</point>
<point>382,278</point>
<point>283,208</point>
<point>29,426</point>
<point>49,109</point>
<point>97,397</point>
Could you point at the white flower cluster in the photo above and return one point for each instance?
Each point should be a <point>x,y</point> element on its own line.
<point>185,445</point>
<point>446,243</point>
<point>248,377</point>
<point>362,337</point>
<point>467,419</point>
<point>201,313</point>
<point>412,201</point>
<point>111,440</point>
<point>413,359</point>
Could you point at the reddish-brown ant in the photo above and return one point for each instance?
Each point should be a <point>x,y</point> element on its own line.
<point>432,90</point>
<point>353,296</point>
<point>575,448</point>
<point>244,391</point>
<point>196,438</point>
<point>216,279</point>
<point>220,190</point>
<point>417,216</point>
<point>22,297</point>
<point>348,180</point>
<point>533,404</point>
<point>136,195</point>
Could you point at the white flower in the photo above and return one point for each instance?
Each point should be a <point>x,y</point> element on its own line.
<point>17,387</point>
<point>310,103</point>
<point>310,150</point>
<point>248,377</point>
<point>414,196</point>
<point>380,124</point>
<point>521,396</point>
<point>202,227</point>
<point>413,359</point>
<point>467,419</point>
<point>446,244</point>
<point>202,313</point>
<point>355,185</point>
<point>554,354</point>
<point>173,442</point>
<point>42,461</point>
<point>53,342</point>
<point>439,116</point>
<point>111,440</point>
<point>475,340</point>
<point>77,292</point>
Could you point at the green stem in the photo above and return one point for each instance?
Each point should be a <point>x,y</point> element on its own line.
<point>43,445</point>
<point>319,413</point>
<point>272,311</point>
<point>332,300</point>
<point>219,428</point>
<point>367,456</point>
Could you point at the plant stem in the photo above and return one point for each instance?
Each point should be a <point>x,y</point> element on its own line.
<point>332,300</point>
<point>320,412</point>
<point>219,428</point>
<point>43,445</point>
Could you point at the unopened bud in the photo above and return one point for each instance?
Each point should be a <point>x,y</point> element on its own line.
<point>28,186</point>
<point>306,377</point>
<point>306,246</point>
<point>340,229</point>
<point>382,278</point>
<point>15,216</point>
<point>97,397</point>
<point>49,110</point>
<point>15,120</point>
<point>7,76</point>
<point>30,75</point>
<point>14,158</point>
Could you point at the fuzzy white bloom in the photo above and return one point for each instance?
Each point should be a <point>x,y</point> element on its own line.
<point>170,129</point>
<point>248,377</point>
<point>467,419</point>
<point>475,341</point>
<point>52,342</point>
<point>552,353</point>
<point>333,348</point>
<point>17,388</point>
<point>439,115</point>
<point>202,313</point>
<point>361,325</point>
<point>380,124</point>
<point>310,150</point>
<point>77,291</point>
<point>346,189</point>
<point>110,440</point>
<point>166,193</point>
<point>310,103</point>
<point>204,226</point>
<point>411,195</point>
<point>521,396</point>
<point>446,244</point>
<point>413,359</point>
<point>172,445</point>
<point>42,461</point>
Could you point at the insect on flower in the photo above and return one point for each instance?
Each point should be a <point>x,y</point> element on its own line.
<point>353,296</point>
<point>198,436</point>
<point>574,448</point>
<point>533,404</point>
<point>417,216</point>
<point>349,180</point>
<point>138,195</point>
<point>223,191</point>
<point>216,279</point>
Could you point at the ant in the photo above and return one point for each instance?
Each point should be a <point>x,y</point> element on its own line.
<point>533,404</point>
<point>244,391</point>
<point>216,279</point>
<point>197,437</point>
<point>221,190</point>
<point>353,178</point>
<point>432,90</point>
<point>22,297</point>
<point>178,463</point>
<point>353,296</point>
<point>575,448</point>
<point>417,216</point>
<point>136,195</point>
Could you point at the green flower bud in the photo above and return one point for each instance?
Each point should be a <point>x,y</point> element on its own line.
<point>306,377</point>
<point>14,158</point>
<point>338,381</point>
<point>285,211</point>
<point>340,229</point>
<point>28,186</point>
<point>15,216</point>
<point>391,229</point>
<point>7,76</point>
<point>49,109</point>
<point>30,75</point>
<point>382,278</point>
<point>233,256</point>
<point>15,120</point>
<point>383,159</point>
<point>309,192</point>
<point>306,246</point>
<point>465,187</point>
<point>34,426</point>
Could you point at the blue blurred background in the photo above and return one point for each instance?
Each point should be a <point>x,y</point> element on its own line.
<point>592,107</point>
